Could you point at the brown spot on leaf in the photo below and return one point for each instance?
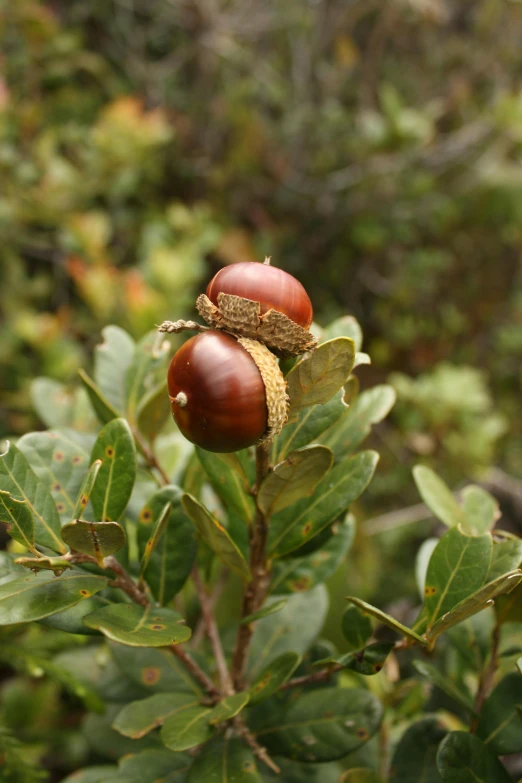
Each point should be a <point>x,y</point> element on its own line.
<point>248,766</point>
<point>157,627</point>
<point>109,451</point>
<point>77,460</point>
<point>58,456</point>
<point>150,675</point>
<point>56,487</point>
<point>85,593</point>
<point>145,515</point>
<point>300,585</point>
<point>362,733</point>
<point>429,590</point>
<point>307,528</point>
<point>60,507</point>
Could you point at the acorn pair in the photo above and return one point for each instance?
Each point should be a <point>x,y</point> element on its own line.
<point>226,389</point>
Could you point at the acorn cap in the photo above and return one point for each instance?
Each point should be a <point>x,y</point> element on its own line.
<point>277,400</point>
<point>243,317</point>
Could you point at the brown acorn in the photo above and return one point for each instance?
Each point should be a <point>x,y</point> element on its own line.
<point>226,394</point>
<point>260,302</point>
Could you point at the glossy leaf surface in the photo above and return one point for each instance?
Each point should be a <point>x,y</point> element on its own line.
<point>322,725</point>
<point>273,676</point>
<point>139,627</point>
<point>369,408</point>
<point>98,539</point>
<point>33,597</point>
<point>294,479</point>
<point>315,379</point>
<point>226,473</point>
<point>139,717</point>
<point>296,525</point>
<point>113,487</point>
<point>15,514</point>
<point>414,756</point>
<point>463,758</point>
<point>22,483</point>
<point>215,536</point>
<point>224,761</point>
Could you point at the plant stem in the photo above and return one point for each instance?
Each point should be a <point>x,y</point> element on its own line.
<point>256,588</point>
<point>213,634</point>
<point>213,598</point>
<point>125,582</point>
<point>150,457</point>
<point>487,677</point>
<point>258,750</point>
<point>306,679</point>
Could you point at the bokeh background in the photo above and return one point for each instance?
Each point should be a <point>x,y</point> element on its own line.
<point>373,148</point>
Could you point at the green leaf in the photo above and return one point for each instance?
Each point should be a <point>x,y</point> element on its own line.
<point>437,496</point>
<point>367,661</point>
<point>414,757</point>
<point>106,742</point>
<point>154,669</point>
<point>102,407</point>
<point>298,574</point>
<point>59,463</point>
<point>226,473</point>
<point>507,556</point>
<point>113,487</point>
<point>356,627</point>
<point>273,676</point>
<point>59,406</point>
<point>519,665</point>
<point>294,478</point>
<point>167,547</point>
<point>345,326</point>
<point>315,379</point>
<point>384,618</point>
<point>229,707</point>
<point>293,629</point>
<point>322,725</point>
<point>370,407</point>
<point>422,561</point>
<point>142,375</point>
<point>112,359</point>
<point>153,411</point>
<point>151,766</point>
<point>463,758</point>
<point>139,717</point>
<point>98,539</point>
<point>137,626</point>
<point>215,536</point>
<point>500,723</point>
<point>445,683</point>
<point>33,597</point>
<point>189,727</point>
<point>9,570</point>
<point>17,478</point>
<point>508,608</point>
<point>481,510</point>
<point>84,494</point>
<point>292,772</point>
<point>297,524</point>
<point>19,520</point>
<point>457,569</point>
<point>309,425</point>
<point>268,609</point>
<point>224,760</point>
<point>71,620</point>
<point>474,603</point>
<point>90,774</point>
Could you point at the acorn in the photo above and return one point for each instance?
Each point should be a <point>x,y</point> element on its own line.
<point>226,393</point>
<point>261,302</point>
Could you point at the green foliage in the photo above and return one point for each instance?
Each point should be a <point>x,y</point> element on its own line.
<point>115,517</point>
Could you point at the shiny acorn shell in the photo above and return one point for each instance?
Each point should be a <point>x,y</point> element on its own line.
<point>226,396</point>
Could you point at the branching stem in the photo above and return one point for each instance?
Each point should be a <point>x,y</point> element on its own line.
<point>256,588</point>
<point>213,634</point>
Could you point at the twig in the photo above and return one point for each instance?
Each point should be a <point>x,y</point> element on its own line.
<point>213,634</point>
<point>191,666</point>
<point>394,519</point>
<point>125,582</point>
<point>213,598</point>
<point>487,677</point>
<point>150,457</point>
<point>174,327</point>
<point>258,750</point>
<point>256,589</point>
<point>306,679</point>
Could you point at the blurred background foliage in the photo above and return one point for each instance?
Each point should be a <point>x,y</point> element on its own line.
<point>373,149</point>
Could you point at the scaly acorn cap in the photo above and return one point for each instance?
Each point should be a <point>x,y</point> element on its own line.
<point>242,317</point>
<point>277,400</point>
